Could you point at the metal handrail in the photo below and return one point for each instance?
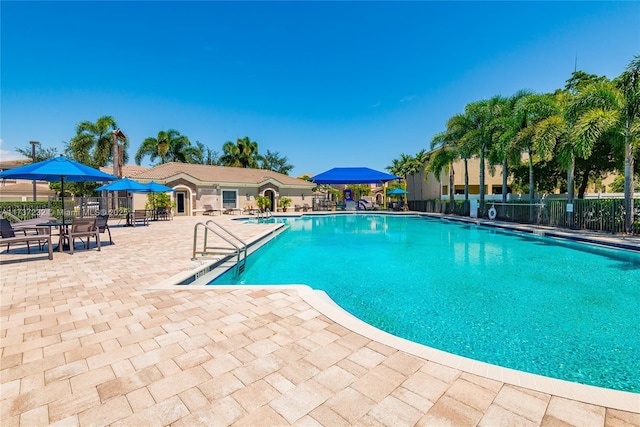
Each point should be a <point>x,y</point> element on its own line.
<point>264,215</point>
<point>237,249</point>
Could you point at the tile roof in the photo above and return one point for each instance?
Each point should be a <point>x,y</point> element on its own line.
<point>219,174</point>
<point>128,171</point>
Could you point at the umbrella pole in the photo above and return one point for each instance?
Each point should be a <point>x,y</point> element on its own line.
<point>62,196</point>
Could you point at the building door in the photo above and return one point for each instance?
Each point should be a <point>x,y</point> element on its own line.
<point>272,197</point>
<point>181,205</point>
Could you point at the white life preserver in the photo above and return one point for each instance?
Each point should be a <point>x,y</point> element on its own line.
<point>492,212</point>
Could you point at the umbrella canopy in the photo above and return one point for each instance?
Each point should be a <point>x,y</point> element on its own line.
<point>125,184</point>
<point>352,176</point>
<point>398,191</point>
<point>154,187</point>
<point>58,169</point>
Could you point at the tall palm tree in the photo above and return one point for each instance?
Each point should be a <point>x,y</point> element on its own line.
<point>168,146</point>
<point>504,151</point>
<point>446,152</point>
<point>527,112</point>
<point>420,163</point>
<point>93,142</point>
<point>243,153</point>
<point>616,107</point>
<point>482,133</point>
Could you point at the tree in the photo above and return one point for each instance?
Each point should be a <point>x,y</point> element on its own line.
<point>419,164</point>
<point>442,159</point>
<point>617,108</point>
<point>528,111</point>
<point>93,143</point>
<point>243,153</point>
<point>480,133</point>
<point>504,151</point>
<point>274,162</point>
<point>203,155</point>
<point>41,153</point>
<point>168,146</point>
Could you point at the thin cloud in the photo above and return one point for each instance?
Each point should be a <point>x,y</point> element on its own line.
<point>408,98</point>
<point>6,155</point>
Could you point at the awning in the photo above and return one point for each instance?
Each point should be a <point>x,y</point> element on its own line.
<point>352,176</point>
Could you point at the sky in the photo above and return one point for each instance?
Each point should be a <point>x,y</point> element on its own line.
<point>326,84</point>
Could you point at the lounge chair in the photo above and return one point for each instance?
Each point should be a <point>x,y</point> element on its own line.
<point>79,228</point>
<point>209,210</point>
<point>297,208</point>
<point>102,222</point>
<point>366,205</point>
<point>306,207</point>
<point>8,236</point>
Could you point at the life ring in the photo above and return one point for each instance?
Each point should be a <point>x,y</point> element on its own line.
<point>492,212</point>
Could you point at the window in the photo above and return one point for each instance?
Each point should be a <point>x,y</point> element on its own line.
<point>229,199</point>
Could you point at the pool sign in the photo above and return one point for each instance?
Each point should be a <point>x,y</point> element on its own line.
<point>569,207</point>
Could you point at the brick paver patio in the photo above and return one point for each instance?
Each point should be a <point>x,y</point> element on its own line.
<point>104,338</point>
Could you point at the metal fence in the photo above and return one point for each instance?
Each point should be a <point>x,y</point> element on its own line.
<point>606,215</point>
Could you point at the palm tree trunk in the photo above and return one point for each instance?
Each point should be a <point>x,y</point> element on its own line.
<point>628,179</point>
<point>452,202</point>
<point>531,185</point>
<point>482,179</point>
<point>505,174</point>
<point>570,191</point>
<point>466,180</point>
<point>584,182</point>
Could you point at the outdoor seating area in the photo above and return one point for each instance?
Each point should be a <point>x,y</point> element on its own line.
<point>41,236</point>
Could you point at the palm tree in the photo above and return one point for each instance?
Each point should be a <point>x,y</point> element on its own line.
<point>442,159</point>
<point>505,152</point>
<point>481,133</point>
<point>168,146</point>
<point>243,153</point>
<point>93,143</point>
<point>420,163</point>
<point>527,112</point>
<point>616,107</point>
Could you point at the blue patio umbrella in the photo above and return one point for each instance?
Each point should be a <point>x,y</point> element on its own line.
<point>58,169</point>
<point>397,192</point>
<point>125,184</point>
<point>154,187</point>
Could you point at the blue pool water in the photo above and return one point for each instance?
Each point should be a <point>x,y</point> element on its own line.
<point>554,308</point>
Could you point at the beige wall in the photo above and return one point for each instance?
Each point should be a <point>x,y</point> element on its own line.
<point>419,189</point>
<point>246,197</point>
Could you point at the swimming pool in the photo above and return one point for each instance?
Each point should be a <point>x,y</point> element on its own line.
<point>539,305</point>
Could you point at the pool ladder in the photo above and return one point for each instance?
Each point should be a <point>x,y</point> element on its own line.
<point>264,216</point>
<point>237,248</point>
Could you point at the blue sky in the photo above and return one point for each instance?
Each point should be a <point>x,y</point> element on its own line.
<point>327,84</point>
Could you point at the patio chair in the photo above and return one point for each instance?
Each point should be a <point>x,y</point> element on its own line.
<point>79,228</point>
<point>306,207</point>
<point>8,236</point>
<point>102,222</point>
<point>163,213</point>
<point>140,215</point>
